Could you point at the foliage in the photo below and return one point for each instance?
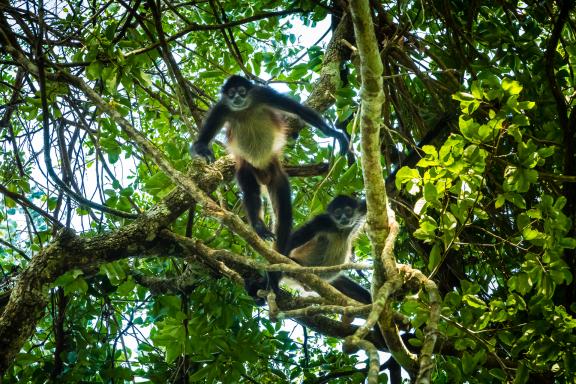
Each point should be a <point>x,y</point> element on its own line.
<point>487,209</point>
<point>452,193</point>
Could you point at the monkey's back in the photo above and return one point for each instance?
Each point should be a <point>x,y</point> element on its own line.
<point>257,135</point>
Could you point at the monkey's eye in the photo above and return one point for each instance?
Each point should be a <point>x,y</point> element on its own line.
<point>337,212</point>
<point>231,92</point>
<point>348,211</point>
<point>242,91</point>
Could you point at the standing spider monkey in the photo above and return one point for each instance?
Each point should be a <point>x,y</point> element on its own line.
<point>326,240</point>
<point>256,135</point>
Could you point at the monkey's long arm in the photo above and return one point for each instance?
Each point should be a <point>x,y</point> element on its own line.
<point>286,104</point>
<point>213,123</point>
<point>320,223</point>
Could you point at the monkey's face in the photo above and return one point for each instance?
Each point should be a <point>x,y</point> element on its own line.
<point>236,98</point>
<point>346,216</point>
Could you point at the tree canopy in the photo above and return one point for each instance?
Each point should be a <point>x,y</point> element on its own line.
<point>124,259</point>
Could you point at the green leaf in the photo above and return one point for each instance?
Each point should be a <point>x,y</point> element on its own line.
<point>112,80</point>
<point>511,86</point>
<point>476,90</point>
<point>72,282</point>
<point>430,192</point>
<point>531,234</point>
<point>124,204</point>
<point>405,175</point>
<point>114,271</point>
<point>488,79</point>
<point>506,337</point>
<point>522,374</point>
<point>157,183</point>
<point>519,179</point>
<point>546,287</point>
<point>516,199</point>
<point>71,357</point>
<point>93,70</point>
<point>452,299</point>
<point>410,177</point>
<point>463,343</point>
<point>521,283</point>
<point>129,191</point>
<point>468,363</point>
<point>435,256</point>
<point>567,242</point>
<point>427,229</point>
<point>526,105</point>
<point>52,202</point>
<point>463,96</point>
<point>126,287</point>
<point>448,222</point>
<point>468,127</point>
<point>474,301</point>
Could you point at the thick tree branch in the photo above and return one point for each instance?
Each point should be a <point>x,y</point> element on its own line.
<point>377,220</point>
<point>435,301</point>
<point>370,120</point>
<point>28,299</point>
<point>381,221</point>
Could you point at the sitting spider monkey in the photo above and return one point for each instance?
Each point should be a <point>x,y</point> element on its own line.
<point>256,134</point>
<point>326,240</point>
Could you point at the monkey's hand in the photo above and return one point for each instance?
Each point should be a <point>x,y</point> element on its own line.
<point>199,149</point>
<point>263,232</point>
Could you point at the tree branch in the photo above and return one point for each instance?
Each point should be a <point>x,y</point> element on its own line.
<point>28,299</point>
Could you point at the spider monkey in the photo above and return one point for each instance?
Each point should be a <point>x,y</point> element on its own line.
<point>256,134</point>
<point>326,240</point>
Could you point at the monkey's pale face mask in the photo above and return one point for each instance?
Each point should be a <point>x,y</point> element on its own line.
<point>236,98</point>
<point>346,217</point>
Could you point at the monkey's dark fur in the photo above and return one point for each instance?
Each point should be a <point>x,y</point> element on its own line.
<point>326,240</point>
<point>256,134</point>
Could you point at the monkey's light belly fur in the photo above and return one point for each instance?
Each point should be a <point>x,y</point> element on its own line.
<point>323,251</point>
<point>253,137</point>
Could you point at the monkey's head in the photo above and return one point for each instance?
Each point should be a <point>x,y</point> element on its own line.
<point>235,92</point>
<point>346,211</point>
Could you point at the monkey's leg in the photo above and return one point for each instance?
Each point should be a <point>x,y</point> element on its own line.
<point>250,188</point>
<point>279,190</point>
